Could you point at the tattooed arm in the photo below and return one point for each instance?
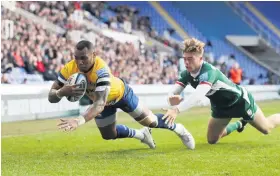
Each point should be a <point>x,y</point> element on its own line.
<point>98,106</point>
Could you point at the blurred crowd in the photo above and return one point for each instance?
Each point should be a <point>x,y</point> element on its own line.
<point>121,18</point>
<point>34,50</point>
<point>125,18</point>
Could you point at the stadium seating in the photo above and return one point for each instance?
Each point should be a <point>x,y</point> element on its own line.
<point>184,15</point>
<point>47,51</point>
<point>220,47</point>
<point>182,20</point>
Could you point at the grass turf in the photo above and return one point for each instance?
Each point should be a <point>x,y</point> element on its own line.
<point>38,148</point>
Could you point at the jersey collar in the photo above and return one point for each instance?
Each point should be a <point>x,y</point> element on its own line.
<point>197,73</point>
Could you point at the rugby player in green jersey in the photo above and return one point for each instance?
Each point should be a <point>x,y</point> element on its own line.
<point>227,99</point>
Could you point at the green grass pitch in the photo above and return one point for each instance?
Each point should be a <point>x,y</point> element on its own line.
<point>38,148</point>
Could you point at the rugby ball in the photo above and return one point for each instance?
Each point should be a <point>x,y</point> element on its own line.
<point>77,78</point>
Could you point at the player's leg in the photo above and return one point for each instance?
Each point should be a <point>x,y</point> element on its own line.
<point>106,123</point>
<point>146,117</point>
<point>218,128</point>
<point>274,120</point>
<point>263,124</point>
<point>254,115</point>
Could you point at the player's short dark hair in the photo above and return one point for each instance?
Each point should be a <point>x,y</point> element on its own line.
<point>84,44</point>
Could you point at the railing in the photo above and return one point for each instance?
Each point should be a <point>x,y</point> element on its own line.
<point>259,28</point>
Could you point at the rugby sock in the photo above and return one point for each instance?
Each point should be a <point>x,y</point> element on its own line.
<point>233,126</point>
<point>139,135</point>
<point>126,132</point>
<point>161,123</point>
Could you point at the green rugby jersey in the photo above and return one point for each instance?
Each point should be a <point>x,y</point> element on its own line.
<point>223,93</point>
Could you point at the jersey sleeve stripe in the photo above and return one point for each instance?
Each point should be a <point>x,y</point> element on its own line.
<point>101,88</point>
<point>103,79</point>
<point>180,83</point>
<point>205,82</point>
<point>104,75</point>
<point>59,83</point>
<point>104,83</point>
<point>61,80</point>
<point>61,76</point>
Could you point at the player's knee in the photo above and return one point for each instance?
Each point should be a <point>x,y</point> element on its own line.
<point>266,131</point>
<point>212,141</point>
<point>149,121</point>
<point>153,124</point>
<point>150,124</point>
<point>109,137</point>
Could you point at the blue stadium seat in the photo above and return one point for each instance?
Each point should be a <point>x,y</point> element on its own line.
<point>181,19</point>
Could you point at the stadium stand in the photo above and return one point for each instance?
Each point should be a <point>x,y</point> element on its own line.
<point>215,34</point>
<point>46,51</point>
<point>52,50</point>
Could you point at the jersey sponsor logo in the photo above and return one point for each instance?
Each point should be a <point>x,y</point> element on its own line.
<point>102,72</point>
<point>203,77</point>
<point>110,103</point>
<point>249,112</point>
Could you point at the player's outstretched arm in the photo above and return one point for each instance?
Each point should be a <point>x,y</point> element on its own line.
<point>102,90</point>
<point>191,101</point>
<point>54,96</point>
<point>58,91</point>
<point>174,97</point>
<point>97,107</point>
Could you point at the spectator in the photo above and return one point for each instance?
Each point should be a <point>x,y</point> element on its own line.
<point>235,74</point>
<point>50,74</point>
